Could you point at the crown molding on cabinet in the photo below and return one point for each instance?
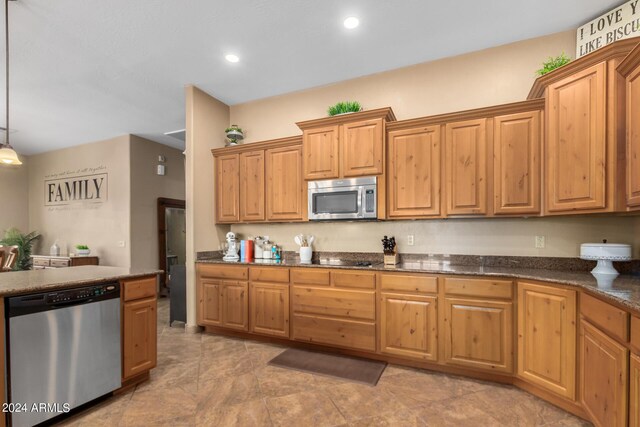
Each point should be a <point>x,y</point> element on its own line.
<point>618,49</point>
<point>272,143</point>
<point>477,113</point>
<point>630,62</point>
<point>379,113</point>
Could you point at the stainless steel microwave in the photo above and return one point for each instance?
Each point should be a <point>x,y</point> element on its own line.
<point>354,198</point>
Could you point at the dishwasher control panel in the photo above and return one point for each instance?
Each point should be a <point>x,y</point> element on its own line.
<point>73,295</point>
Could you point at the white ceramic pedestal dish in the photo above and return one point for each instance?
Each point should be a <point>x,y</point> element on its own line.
<point>605,254</point>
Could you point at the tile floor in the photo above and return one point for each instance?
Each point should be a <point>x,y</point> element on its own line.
<point>206,380</point>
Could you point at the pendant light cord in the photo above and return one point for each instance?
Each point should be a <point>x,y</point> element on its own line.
<point>6,41</point>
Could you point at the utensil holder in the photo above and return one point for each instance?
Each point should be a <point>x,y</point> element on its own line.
<point>306,253</point>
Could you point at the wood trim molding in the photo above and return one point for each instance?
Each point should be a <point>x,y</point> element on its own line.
<point>630,62</point>
<point>618,49</point>
<point>379,113</point>
<point>477,113</point>
<point>272,143</point>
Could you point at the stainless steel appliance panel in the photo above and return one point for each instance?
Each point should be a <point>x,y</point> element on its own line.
<point>347,199</point>
<point>64,355</point>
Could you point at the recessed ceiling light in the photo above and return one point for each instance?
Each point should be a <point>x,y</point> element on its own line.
<point>232,58</point>
<point>351,22</point>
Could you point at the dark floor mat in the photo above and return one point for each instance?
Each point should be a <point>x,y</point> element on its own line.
<point>349,368</point>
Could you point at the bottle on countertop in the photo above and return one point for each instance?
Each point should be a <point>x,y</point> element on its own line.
<point>55,249</point>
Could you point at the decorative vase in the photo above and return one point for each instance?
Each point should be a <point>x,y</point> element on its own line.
<point>83,252</point>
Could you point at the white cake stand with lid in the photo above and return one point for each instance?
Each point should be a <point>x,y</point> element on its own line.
<point>605,253</point>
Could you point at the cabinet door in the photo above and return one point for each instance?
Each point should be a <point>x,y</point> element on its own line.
<point>604,377</point>
<point>209,301</point>
<point>252,186</point>
<point>576,143</point>
<point>634,392</point>
<point>139,337</point>
<point>286,190</point>
<point>414,172</point>
<point>235,305</point>
<point>466,167</point>
<point>269,309</point>
<point>479,334</point>
<point>547,336</point>
<point>228,188</point>
<point>633,139</point>
<point>516,176</point>
<point>362,148</point>
<point>320,150</point>
<point>408,326</point>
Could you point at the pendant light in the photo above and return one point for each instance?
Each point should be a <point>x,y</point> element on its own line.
<point>8,156</point>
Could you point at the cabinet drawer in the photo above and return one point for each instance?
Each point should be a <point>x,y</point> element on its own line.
<point>343,333</point>
<point>334,302</point>
<point>59,263</point>
<point>41,262</point>
<point>218,271</point>
<point>140,288</point>
<point>635,333</point>
<point>611,319</point>
<point>478,287</point>
<point>277,274</point>
<point>310,276</point>
<point>408,283</point>
<point>353,279</point>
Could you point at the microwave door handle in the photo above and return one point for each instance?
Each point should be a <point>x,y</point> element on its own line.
<point>361,203</point>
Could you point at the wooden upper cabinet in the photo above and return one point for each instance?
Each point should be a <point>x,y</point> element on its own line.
<point>466,167</point>
<point>227,188</point>
<point>252,186</point>
<point>604,377</point>
<point>286,195</point>
<point>320,147</point>
<point>516,151</point>
<point>413,174</point>
<point>362,148</point>
<point>576,143</point>
<point>547,336</point>
<point>630,68</point>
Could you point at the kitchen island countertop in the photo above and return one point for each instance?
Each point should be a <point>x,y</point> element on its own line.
<point>26,282</point>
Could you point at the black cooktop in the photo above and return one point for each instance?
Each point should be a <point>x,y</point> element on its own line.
<point>342,263</point>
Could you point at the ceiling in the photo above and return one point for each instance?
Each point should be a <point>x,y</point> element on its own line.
<point>85,70</point>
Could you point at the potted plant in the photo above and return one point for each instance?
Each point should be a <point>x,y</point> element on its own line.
<point>24,242</point>
<point>345,107</point>
<point>234,134</point>
<point>553,63</point>
<point>82,250</point>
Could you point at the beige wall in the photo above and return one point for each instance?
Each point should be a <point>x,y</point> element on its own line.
<point>146,187</point>
<point>14,197</point>
<point>489,77</point>
<point>100,226</point>
<point>206,119</point>
<point>493,76</point>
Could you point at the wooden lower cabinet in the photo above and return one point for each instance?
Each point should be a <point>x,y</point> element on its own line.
<point>139,336</point>
<point>547,335</point>
<point>210,302</point>
<point>479,334</point>
<point>269,309</point>
<point>634,391</point>
<point>235,305</point>
<point>355,334</point>
<point>604,377</point>
<point>409,326</point>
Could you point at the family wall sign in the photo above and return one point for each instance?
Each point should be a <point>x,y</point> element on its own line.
<point>623,22</point>
<point>62,189</point>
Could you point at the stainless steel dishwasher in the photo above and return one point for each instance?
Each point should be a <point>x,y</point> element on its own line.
<point>63,348</point>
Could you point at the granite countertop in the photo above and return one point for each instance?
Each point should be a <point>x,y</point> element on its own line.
<point>25,282</point>
<point>625,289</point>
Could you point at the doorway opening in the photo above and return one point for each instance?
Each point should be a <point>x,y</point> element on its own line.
<point>171,238</point>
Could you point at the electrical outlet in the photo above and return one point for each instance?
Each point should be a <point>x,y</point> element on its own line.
<point>121,243</point>
<point>540,242</point>
<point>410,240</point>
